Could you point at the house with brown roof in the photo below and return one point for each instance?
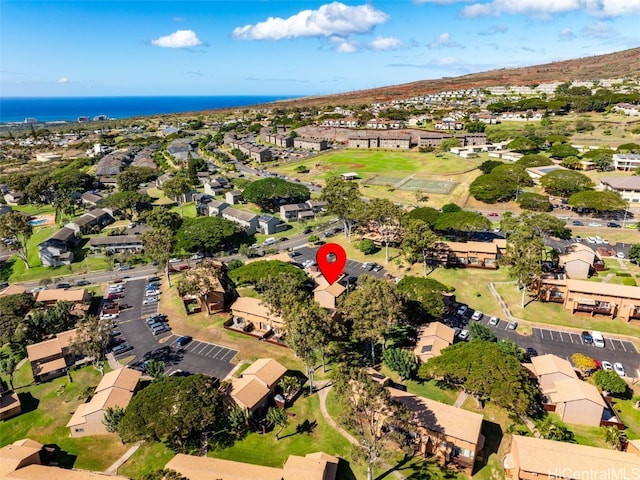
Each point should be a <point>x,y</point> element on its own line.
<point>52,296</point>
<point>536,458</point>
<point>254,314</point>
<point>579,261</point>
<point>114,390</point>
<point>627,187</point>
<point>40,472</point>
<point>581,297</point>
<point>10,404</point>
<point>562,391</point>
<point>313,466</point>
<point>327,295</point>
<point>55,251</point>
<point>451,435</point>
<point>432,339</point>
<point>19,454</point>
<point>471,254</point>
<point>253,390</point>
<point>246,220</point>
<point>51,358</point>
<point>117,243</point>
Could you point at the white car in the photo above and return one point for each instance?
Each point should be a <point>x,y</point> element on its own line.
<point>464,334</point>
<point>591,240</point>
<point>197,256</point>
<point>150,300</point>
<point>595,224</point>
<point>606,365</point>
<point>605,241</point>
<point>620,254</point>
<point>619,369</point>
<point>477,315</point>
<point>493,321</point>
<point>152,293</point>
<point>108,316</point>
<point>175,260</point>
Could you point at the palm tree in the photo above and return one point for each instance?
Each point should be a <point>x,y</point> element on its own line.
<point>278,418</point>
<point>615,437</point>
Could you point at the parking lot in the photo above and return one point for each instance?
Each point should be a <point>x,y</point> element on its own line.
<point>557,342</point>
<point>352,268</point>
<point>195,357</point>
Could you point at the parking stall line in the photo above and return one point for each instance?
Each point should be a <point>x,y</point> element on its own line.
<point>219,352</point>
<point>206,350</point>
<point>191,347</point>
<point>216,351</point>
<point>232,354</point>
<point>623,347</point>
<point>541,333</point>
<point>611,342</point>
<point>204,345</point>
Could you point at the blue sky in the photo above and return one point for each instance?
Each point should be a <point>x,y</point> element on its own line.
<point>264,47</point>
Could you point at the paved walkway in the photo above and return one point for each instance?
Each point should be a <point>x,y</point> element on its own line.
<point>323,388</point>
<point>113,469</point>
<point>113,362</point>
<point>462,397</point>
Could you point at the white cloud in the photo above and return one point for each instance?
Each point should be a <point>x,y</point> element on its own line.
<point>386,43</point>
<point>598,30</point>
<point>548,8</point>
<point>444,40</point>
<point>344,45</point>
<point>329,20</point>
<point>567,34</point>
<point>63,80</point>
<point>494,30</point>
<point>178,39</point>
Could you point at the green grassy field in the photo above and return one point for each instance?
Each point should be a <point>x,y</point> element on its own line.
<point>47,408</point>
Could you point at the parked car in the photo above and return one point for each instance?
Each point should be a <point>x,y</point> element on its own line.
<point>464,334</point>
<point>123,268</point>
<point>477,315</point>
<point>377,267</point>
<point>606,365</point>
<point>114,296</point>
<point>153,319</point>
<point>577,223</point>
<point>307,230</point>
<point>152,286</point>
<point>619,369</point>
<point>63,285</point>
<point>152,293</point>
<point>159,330</point>
<point>587,338</point>
<point>531,352</point>
<point>150,300</point>
<point>153,279</point>
<point>591,240</point>
<point>493,321</point>
<point>37,289</point>
<point>124,306</point>
<point>578,239</point>
<point>108,316</point>
<point>512,325</point>
<point>123,347</point>
<point>620,254</point>
<point>197,256</point>
<point>595,224</point>
<point>613,225</point>
<point>367,266</point>
<point>183,340</point>
<point>294,254</point>
<point>308,263</point>
<point>175,260</point>
<point>462,309</point>
<point>82,283</point>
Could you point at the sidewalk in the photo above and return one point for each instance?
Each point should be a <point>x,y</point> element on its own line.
<point>113,469</point>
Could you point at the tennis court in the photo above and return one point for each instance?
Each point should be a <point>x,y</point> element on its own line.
<point>384,180</point>
<point>429,186</point>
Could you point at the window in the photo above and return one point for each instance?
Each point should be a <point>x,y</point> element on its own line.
<point>79,430</point>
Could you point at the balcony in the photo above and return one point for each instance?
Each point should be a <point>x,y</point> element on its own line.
<point>595,309</point>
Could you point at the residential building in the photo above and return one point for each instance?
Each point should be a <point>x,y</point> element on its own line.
<point>252,311</point>
<point>14,198</point>
<point>316,206</point>
<point>97,218</point>
<point>295,211</point>
<point>19,454</point>
<point>213,188</point>
<point>432,339</point>
<point>549,369</point>
<point>51,358</point>
<point>55,251</point>
<point>114,390</point>
<point>246,220</point>
<point>627,187</point>
<point>91,199</point>
<point>579,261</point>
<point>10,404</point>
<point>268,224</point>
<point>282,140</point>
<point>470,254</point>
<point>117,243</point>
<point>257,384</point>
<point>536,173</point>
<point>215,208</point>
<point>51,296</point>
<point>48,157</point>
<point>314,144</point>
<point>626,161</point>
<point>38,472</point>
<point>327,295</point>
<point>627,109</point>
<point>451,435</point>
<point>536,458</point>
<point>313,466</point>
<point>582,297</point>
<point>233,197</point>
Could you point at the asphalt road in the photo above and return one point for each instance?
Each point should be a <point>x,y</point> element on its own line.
<point>195,357</point>
<point>560,342</point>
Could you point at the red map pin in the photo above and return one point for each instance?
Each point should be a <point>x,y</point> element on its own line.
<point>331,259</point>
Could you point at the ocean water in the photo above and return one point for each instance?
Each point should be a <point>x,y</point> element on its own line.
<point>50,109</point>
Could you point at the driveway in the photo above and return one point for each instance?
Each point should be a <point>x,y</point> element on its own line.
<point>196,357</point>
<point>352,268</point>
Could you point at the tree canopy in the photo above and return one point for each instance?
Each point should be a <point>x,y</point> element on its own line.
<point>343,200</point>
<point>206,234</point>
<point>255,272</point>
<point>482,368</point>
<point>565,183</point>
<point>176,410</point>
<point>534,160</point>
<point>424,297</point>
<point>598,201</point>
<point>428,215</point>
<point>269,192</point>
<point>534,202</point>
<point>462,221</point>
<point>131,178</point>
<point>16,226</point>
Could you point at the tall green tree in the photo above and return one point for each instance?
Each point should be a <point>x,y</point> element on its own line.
<point>379,423</point>
<point>112,418</point>
<point>278,418</point>
<point>424,297</point>
<point>343,200</point>
<point>565,183</point>
<point>463,221</point>
<point>159,217</point>
<point>206,234</point>
<point>269,192</point>
<point>16,226</point>
<point>598,201</point>
<point>615,437</point>
<point>155,369</point>
<point>177,188</point>
<point>201,280</point>
<point>418,242</point>
<point>8,367</point>
<point>385,218</point>
<point>372,308</point>
<point>131,178</point>
<point>158,244</point>
<point>132,203</point>
<point>91,339</point>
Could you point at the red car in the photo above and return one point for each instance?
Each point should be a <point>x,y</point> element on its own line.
<point>493,214</point>
<point>113,296</point>
<point>184,267</point>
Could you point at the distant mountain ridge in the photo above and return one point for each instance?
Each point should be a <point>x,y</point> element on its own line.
<point>612,65</point>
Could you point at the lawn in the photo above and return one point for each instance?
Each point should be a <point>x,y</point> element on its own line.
<point>47,408</point>
<point>264,449</point>
<point>149,457</point>
<point>429,389</point>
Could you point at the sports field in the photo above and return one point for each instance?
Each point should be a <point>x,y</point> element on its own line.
<point>413,184</point>
<point>382,163</point>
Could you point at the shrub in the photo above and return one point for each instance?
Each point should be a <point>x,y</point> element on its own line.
<point>630,282</point>
<point>611,382</point>
<point>302,169</point>
<point>367,246</point>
